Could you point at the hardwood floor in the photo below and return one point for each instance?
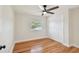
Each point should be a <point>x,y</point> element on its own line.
<point>45,45</point>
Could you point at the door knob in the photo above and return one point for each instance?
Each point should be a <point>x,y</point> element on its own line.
<point>2,47</point>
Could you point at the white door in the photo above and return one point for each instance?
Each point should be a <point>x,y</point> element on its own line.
<point>6,28</point>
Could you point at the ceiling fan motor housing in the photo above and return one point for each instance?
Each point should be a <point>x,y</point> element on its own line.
<point>44,6</point>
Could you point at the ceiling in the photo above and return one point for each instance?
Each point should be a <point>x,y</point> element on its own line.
<point>36,10</point>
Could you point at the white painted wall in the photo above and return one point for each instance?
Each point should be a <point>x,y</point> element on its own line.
<point>66,27</point>
<point>23,27</point>
<point>1,37</point>
<point>58,26</point>
<point>7,33</point>
<point>74,26</point>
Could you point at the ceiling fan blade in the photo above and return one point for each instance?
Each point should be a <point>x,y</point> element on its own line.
<point>50,12</point>
<point>52,8</point>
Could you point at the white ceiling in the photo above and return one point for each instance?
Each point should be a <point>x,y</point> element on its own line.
<point>35,9</point>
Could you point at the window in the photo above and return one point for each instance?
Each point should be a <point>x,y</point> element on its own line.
<point>36,25</point>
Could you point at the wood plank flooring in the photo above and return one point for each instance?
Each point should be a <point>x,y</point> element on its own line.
<point>44,45</point>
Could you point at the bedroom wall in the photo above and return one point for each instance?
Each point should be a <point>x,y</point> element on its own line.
<point>0,23</point>
<point>7,32</point>
<point>74,26</point>
<point>23,27</point>
<point>58,26</point>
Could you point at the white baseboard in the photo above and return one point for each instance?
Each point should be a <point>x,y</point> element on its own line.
<point>44,37</point>
<point>67,45</point>
<point>75,45</point>
<point>31,39</point>
<point>12,47</point>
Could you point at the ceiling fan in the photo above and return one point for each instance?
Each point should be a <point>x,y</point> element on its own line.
<point>45,10</point>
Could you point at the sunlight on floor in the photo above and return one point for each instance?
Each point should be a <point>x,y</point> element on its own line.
<point>37,49</point>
